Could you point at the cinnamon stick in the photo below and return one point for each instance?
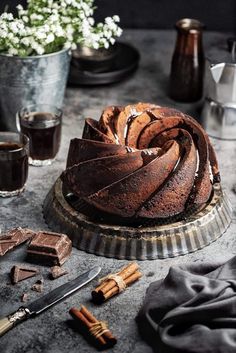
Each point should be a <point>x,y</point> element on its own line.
<point>86,321</point>
<point>111,285</point>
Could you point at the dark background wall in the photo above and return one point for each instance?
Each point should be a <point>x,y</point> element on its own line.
<point>215,14</point>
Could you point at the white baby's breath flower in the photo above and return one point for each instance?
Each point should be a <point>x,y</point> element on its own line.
<point>25,19</point>
<point>36,17</point>
<point>65,19</point>
<point>67,45</point>
<point>46,10</point>
<point>15,40</point>
<point>116,18</point>
<point>7,16</point>
<point>12,51</point>
<point>76,4</point>
<point>82,16</point>
<point>3,34</point>
<point>10,35</point>
<point>69,29</point>
<point>21,26</point>
<point>50,38</point>
<point>108,20</point>
<point>54,18</point>
<point>41,34</point>
<point>59,32</point>
<point>40,50</point>
<point>19,7</point>
<point>26,41</point>
<point>95,45</point>
<point>119,32</point>
<point>46,27</point>
<point>107,33</point>
<point>91,21</point>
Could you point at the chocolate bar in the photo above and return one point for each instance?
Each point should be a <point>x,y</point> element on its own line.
<point>49,248</point>
<point>20,273</point>
<point>13,238</point>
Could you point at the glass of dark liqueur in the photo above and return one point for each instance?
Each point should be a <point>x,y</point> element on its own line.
<point>14,151</point>
<point>42,124</point>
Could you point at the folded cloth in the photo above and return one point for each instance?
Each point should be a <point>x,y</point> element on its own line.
<point>192,310</point>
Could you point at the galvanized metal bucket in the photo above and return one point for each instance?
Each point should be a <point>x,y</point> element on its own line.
<point>31,80</point>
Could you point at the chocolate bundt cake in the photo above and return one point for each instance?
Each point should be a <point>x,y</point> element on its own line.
<point>142,161</point>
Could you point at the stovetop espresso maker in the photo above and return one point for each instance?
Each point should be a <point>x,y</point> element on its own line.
<point>219,110</point>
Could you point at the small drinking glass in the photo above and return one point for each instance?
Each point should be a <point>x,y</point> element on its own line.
<point>14,151</point>
<point>42,124</point>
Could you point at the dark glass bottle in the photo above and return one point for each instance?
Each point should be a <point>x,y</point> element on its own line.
<point>187,67</point>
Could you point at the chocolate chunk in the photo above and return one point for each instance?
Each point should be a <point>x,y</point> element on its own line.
<point>13,238</point>
<point>20,273</point>
<point>38,286</point>
<point>49,248</point>
<point>24,298</point>
<point>57,271</point>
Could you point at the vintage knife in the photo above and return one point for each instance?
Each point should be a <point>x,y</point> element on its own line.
<point>45,302</point>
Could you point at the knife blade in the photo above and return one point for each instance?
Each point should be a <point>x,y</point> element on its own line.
<point>46,301</point>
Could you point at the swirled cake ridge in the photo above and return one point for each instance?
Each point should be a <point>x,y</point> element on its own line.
<point>142,161</point>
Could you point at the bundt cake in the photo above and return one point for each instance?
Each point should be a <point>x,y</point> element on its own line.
<point>142,161</point>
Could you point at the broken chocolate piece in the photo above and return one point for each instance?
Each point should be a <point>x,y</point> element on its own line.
<point>24,298</point>
<point>57,271</point>
<point>38,286</point>
<point>49,248</point>
<point>20,273</point>
<point>13,238</point>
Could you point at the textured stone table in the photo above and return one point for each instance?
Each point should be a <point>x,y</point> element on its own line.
<point>51,332</point>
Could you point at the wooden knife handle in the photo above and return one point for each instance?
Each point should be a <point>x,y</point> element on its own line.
<point>8,322</point>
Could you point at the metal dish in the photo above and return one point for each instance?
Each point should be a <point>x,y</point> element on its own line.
<point>140,243</point>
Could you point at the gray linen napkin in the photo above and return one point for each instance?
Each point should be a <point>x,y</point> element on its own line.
<point>192,310</point>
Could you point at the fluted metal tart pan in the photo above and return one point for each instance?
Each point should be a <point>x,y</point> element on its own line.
<point>140,243</point>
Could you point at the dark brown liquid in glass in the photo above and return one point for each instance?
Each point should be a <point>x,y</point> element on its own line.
<point>15,169</point>
<point>44,132</point>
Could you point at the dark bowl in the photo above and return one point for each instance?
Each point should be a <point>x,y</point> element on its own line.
<point>94,60</point>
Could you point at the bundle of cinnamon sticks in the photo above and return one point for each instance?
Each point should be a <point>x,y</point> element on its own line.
<point>94,330</point>
<point>116,283</point>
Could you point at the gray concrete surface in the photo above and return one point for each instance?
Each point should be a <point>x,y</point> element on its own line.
<point>51,332</point>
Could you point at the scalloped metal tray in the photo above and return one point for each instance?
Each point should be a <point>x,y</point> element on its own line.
<point>140,243</point>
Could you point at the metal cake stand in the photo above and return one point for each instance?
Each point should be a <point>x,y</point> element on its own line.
<point>140,243</point>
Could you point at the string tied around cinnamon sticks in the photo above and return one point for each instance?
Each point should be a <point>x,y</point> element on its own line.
<point>95,331</point>
<point>118,279</point>
<point>113,284</point>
